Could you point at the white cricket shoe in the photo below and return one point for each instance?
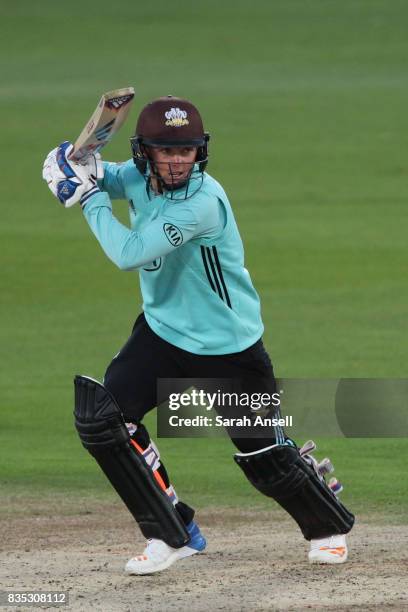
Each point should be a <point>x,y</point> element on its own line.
<point>328,550</point>
<point>158,555</point>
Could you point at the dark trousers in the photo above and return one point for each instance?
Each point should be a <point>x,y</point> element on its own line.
<point>132,376</point>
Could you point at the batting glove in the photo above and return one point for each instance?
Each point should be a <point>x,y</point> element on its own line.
<point>70,181</point>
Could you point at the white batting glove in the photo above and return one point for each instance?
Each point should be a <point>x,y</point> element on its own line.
<point>70,181</point>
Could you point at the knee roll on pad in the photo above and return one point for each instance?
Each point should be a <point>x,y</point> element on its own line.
<point>279,472</point>
<point>103,433</point>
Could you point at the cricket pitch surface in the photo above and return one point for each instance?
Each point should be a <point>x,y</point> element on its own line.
<point>254,561</point>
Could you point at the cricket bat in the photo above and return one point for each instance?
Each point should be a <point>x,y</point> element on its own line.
<point>108,118</point>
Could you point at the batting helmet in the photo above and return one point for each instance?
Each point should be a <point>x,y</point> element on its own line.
<point>170,122</point>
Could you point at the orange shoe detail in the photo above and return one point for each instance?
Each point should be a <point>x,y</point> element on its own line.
<point>340,550</point>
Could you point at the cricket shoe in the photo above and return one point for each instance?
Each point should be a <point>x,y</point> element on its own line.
<point>328,550</point>
<point>158,555</point>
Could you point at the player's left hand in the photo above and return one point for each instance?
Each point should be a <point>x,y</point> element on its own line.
<point>70,181</point>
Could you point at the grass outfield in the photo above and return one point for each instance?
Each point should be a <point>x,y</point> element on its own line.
<point>306,104</point>
<point>203,471</point>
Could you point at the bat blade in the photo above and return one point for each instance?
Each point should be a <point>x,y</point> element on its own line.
<point>108,118</point>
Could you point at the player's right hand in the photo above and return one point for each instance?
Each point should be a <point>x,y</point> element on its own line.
<point>70,181</point>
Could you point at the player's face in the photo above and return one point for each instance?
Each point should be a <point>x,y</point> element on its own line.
<point>174,164</point>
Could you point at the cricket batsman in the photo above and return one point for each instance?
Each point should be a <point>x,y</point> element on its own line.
<point>201,319</point>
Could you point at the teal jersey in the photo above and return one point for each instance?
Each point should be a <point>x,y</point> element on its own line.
<point>197,294</point>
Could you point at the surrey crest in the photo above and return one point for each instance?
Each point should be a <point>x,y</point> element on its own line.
<point>176,117</point>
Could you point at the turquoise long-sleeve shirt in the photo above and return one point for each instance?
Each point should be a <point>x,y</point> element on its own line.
<point>196,292</point>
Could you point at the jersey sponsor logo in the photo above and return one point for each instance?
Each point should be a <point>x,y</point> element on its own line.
<point>214,273</point>
<point>154,265</point>
<point>173,234</point>
<point>176,117</point>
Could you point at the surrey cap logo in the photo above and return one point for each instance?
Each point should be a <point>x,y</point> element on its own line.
<point>176,117</point>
